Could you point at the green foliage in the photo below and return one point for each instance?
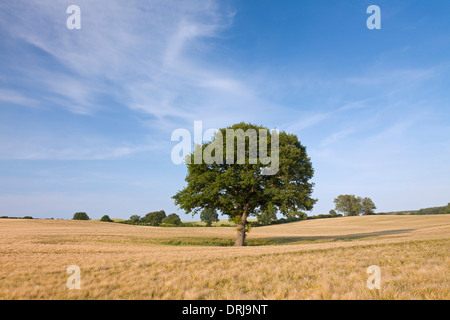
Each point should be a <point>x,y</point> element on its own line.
<point>242,190</point>
<point>434,210</point>
<point>266,217</point>
<point>106,218</point>
<point>333,213</point>
<point>424,211</point>
<point>209,216</point>
<point>172,219</point>
<point>134,218</point>
<point>367,206</point>
<point>27,217</point>
<point>324,216</point>
<point>349,204</point>
<point>153,218</point>
<point>80,216</point>
<point>282,220</point>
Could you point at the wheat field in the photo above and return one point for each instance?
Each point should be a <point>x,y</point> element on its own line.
<point>313,259</point>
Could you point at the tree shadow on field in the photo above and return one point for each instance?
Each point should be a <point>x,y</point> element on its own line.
<point>315,239</point>
<point>270,241</point>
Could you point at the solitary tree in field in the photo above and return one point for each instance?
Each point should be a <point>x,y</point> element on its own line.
<point>242,179</point>
<point>209,216</point>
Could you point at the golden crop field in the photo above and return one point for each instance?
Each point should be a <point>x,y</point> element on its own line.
<point>313,259</point>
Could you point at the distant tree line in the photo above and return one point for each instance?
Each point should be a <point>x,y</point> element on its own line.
<point>155,219</point>
<point>348,205</point>
<point>266,219</point>
<point>25,217</point>
<point>331,214</point>
<point>269,217</point>
<point>424,211</point>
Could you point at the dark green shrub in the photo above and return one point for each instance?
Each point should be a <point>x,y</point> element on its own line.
<point>80,216</point>
<point>172,219</point>
<point>106,218</point>
<point>134,218</point>
<point>153,218</point>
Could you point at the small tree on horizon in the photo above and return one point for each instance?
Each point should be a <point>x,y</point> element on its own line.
<point>348,204</point>
<point>352,205</point>
<point>209,215</point>
<point>154,218</point>
<point>172,218</point>
<point>80,216</point>
<point>368,206</point>
<point>106,218</point>
<point>267,216</point>
<point>333,213</point>
<point>134,218</point>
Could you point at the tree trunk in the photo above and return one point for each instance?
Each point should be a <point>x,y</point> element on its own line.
<point>240,237</point>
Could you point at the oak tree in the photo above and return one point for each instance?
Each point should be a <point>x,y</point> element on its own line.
<point>242,180</point>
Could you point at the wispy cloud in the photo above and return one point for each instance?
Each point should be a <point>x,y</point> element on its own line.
<point>146,57</point>
<point>399,76</point>
<point>335,137</point>
<point>71,148</point>
<point>16,98</point>
<point>143,48</point>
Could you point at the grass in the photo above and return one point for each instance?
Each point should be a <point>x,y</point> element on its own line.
<point>313,259</point>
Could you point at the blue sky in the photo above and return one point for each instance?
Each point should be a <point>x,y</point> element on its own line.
<point>86,115</point>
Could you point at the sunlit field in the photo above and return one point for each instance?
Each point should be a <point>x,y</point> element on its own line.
<point>313,259</point>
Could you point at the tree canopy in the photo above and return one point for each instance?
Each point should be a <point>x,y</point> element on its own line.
<point>242,180</point>
<point>134,218</point>
<point>352,205</point>
<point>106,218</point>
<point>173,219</point>
<point>153,218</point>
<point>80,216</point>
<point>209,215</point>
<point>367,206</point>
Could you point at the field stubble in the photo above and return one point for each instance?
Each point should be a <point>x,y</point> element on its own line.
<point>317,259</point>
